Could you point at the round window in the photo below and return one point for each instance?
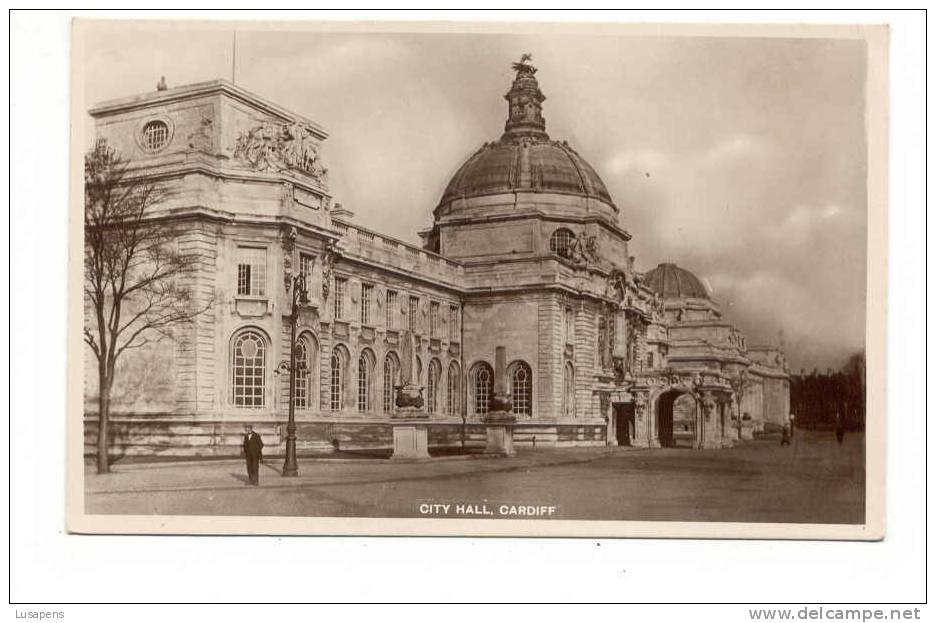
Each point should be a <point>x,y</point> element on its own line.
<point>155,135</point>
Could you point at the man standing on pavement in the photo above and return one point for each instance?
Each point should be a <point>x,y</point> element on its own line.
<point>253,453</point>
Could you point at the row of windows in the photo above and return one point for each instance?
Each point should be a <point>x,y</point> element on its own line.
<point>251,281</point>
<point>248,373</point>
<point>248,377</point>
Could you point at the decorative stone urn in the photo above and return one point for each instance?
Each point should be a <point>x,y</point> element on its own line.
<point>410,422</point>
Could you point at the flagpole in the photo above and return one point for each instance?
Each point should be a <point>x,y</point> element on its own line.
<point>234,58</point>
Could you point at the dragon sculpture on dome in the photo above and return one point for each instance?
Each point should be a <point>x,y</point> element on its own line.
<point>524,66</point>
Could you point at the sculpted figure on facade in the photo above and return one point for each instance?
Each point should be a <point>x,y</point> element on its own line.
<point>328,261</point>
<point>275,147</point>
<point>584,249</point>
<point>640,406</point>
<point>708,405</point>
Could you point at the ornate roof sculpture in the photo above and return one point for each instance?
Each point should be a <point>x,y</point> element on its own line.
<point>525,158</point>
<point>672,282</point>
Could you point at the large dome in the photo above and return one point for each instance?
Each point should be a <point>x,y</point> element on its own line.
<point>525,158</point>
<point>672,282</point>
<point>532,164</point>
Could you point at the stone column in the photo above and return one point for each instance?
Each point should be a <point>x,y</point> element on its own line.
<point>409,419</point>
<point>499,420</point>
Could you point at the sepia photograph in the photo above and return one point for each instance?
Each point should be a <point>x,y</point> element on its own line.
<point>510,279</point>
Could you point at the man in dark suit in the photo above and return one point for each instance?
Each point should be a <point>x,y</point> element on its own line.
<point>253,453</point>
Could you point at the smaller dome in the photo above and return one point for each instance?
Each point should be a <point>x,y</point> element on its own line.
<point>672,282</point>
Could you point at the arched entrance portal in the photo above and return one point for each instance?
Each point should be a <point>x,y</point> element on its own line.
<point>677,421</point>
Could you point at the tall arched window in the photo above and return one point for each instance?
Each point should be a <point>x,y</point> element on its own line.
<point>248,370</point>
<point>568,390</point>
<point>482,385</point>
<point>336,381</point>
<point>302,375</point>
<point>363,389</point>
<point>390,378</point>
<point>432,386</point>
<point>451,390</point>
<point>521,388</point>
<point>561,242</point>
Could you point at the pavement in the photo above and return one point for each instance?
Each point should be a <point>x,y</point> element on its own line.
<point>814,480</point>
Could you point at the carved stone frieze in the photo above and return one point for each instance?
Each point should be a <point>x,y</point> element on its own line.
<point>272,146</point>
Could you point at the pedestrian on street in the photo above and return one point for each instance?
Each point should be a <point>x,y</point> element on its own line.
<point>785,435</point>
<point>253,453</point>
<point>839,427</point>
<point>792,424</point>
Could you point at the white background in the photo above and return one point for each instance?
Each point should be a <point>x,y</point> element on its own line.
<point>47,565</point>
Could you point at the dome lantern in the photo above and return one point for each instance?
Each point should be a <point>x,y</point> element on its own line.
<point>525,103</point>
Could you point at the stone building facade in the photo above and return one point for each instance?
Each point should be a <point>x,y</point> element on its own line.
<point>525,251</point>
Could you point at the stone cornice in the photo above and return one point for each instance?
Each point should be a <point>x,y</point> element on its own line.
<point>179,165</point>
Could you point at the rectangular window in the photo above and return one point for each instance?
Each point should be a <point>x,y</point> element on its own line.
<point>569,325</point>
<point>340,283</point>
<point>413,313</point>
<point>433,319</point>
<point>306,262</point>
<point>251,271</point>
<point>367,291</point>
<point>650,359</point>
<point>453,323</point>
<point>391,308</point>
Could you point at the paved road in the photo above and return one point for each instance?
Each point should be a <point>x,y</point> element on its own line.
<point>813,481</point>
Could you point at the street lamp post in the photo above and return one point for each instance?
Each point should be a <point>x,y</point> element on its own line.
<point>290,466</point>
<point>738,386</point>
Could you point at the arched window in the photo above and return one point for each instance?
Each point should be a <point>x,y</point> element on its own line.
<point>432,386</point>
<point>248,370</point>
<point>451,390</point>
<point>363,389</point>
<point>391,372</point>
<point>568,390</point>
<point>482,385</point>
<point>336,381</point>
<point>302,375</point>
<point>561,242</point>
<point>306,365</point>
<point>521,388</point>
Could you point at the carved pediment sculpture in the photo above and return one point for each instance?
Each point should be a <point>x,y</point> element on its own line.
<point>584,249</point>
<point>278,146</point>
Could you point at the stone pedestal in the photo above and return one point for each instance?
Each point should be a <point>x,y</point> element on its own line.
<point>499,433</point>
<point>410,435</point>
<point>747,429</point>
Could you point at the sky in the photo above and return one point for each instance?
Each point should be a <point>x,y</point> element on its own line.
<point>740,159</point>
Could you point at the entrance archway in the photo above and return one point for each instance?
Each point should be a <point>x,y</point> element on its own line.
<point>677,421</point>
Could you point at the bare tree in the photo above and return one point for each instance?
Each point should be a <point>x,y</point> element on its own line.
<point>133,272</point>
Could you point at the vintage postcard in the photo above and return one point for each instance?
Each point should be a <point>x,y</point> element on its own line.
<point>464,279</point>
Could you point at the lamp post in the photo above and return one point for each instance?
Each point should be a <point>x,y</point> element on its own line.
<point>299,298</point>
<point>738,385</point>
